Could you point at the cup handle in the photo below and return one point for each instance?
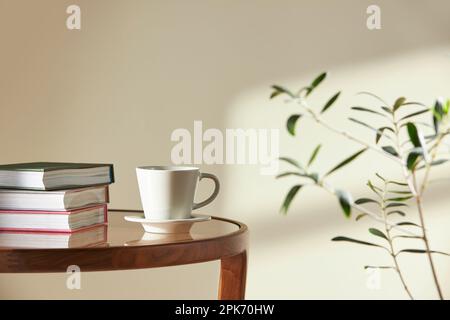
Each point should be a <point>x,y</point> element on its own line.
<point>213,195</point>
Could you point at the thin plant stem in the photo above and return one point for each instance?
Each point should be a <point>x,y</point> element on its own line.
<point>428,164</point>
<point>420,208</point>
<point>425,239</point>
<point>410,179</point>
<point>391,245</point>
<point>412,183</point>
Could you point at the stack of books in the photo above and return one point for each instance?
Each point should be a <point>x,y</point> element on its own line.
<point>49,204</point>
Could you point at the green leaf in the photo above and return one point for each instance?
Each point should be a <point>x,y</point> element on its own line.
<point>292,162</point>
<point>397,183</point>
<point>289,197</point>
<point>366,200</point>
<point>378,267</point>
<point>396,204</point>
<point>318,79</point>
<point>346,239</point>
<point>401,213</point>
<point>421,251</point>
<point>416,137</point>
<point>362,123</point>
<point>406,223</point>
<point>290,173</point>
<point>391,150</point>
<point>378,233</point>
<point>291,122</point>
<point>413,134</point>
<point>380,133</point>
<point>373,96</point>
<point>413,156</point>
<point>374,188</point>
<point>314,176</point>
<point>438,113</point>
<point>346,161</point>
<point>315,83</point>
<point>274,94</point>
<point>360,216</point>
<point>414,103</point>
<point>388,129</point>
<point>386,109</point>
<point>399,192</point>
<point>330,102</point>
<point>363,109</point>
<point>400,199</point>
<point>434,163</point>
<point>314,155</point>
<point>414,114</point>
<point>280,90</point>
<point>378,136</point>
<point>412,251</point>
<point>345,200</point>
<point>398,103</point>
<point>411,161</point>
<point>407,237</point>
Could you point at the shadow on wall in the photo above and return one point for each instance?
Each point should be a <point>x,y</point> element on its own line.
<point>295,241</point>
<point>267,193</point>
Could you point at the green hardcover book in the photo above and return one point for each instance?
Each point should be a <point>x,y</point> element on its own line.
<point>54,175</point>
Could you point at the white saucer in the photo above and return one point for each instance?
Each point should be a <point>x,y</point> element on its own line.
<point>167,226</point>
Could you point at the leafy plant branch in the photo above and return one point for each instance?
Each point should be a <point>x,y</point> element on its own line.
<point>417,152</point>
<point>345,199</point>
<point>317,118</point>
<point>385,203</point>
<point>420,153</point>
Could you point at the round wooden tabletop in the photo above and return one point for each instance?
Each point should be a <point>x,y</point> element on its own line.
<point>124,245</point>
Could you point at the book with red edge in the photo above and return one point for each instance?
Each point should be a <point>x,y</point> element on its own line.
<point>94,236</point>
<point>55,200</point>
<point>53,221</point>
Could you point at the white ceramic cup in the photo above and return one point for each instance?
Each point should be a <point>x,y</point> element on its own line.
<point>167,192</point>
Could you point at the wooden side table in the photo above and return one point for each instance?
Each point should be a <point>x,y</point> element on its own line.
<point>128,247</point>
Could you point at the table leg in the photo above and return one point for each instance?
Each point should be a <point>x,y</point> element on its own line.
<point>233,275</point>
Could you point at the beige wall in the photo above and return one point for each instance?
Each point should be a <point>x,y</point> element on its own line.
<point>114,92</point>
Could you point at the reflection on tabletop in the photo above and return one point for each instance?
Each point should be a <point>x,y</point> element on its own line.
<point>159,238</point>
<point>91,237</point>
<point>116,233</point>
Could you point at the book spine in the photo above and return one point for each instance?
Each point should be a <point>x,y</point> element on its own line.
<point>52,231</point>
<point>111,173</point>
<point>106,194</point>
<point>75,211</point>
<point>105,210</point>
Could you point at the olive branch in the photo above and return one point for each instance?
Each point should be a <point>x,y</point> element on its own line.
<point>418,152</point>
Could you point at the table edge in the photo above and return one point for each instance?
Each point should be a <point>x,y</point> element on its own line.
<point>49,260</point>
